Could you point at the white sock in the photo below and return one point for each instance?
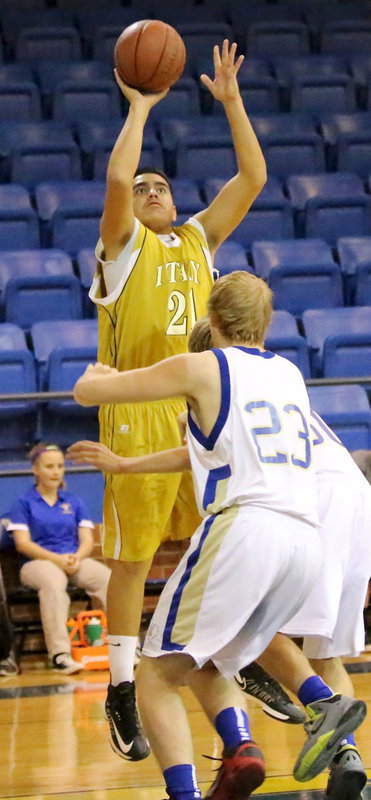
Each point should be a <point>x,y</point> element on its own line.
<point>121,658</point>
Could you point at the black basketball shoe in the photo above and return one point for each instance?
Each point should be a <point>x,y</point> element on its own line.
<point>255,681</point>
<point>126,736</point>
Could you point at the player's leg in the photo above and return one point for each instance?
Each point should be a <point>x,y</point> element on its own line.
<point>242,769</point>
<point>166,722</point>
<point>124,610</point>
<point>256,682</point>
<point>332,716</point>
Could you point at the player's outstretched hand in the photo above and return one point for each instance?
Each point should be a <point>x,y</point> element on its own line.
<point>135,97</point>
<point>224,87</point>
<point>96,454</point>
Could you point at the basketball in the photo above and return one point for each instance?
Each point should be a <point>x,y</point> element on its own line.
<point>149,55</point>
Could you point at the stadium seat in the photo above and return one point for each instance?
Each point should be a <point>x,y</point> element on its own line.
<point>182,101</point>
<point>346,36</point>
<point>38,151</point>
<point>14,19</point>
<point>268,255</point>
<point>319,93</point>
<point>32,263</point>
<point>46,337</point>
<point>73,100</point>
<point>270,39</point>
<point>28,300</point>
<point>301,273</point>
<point>198,160</point>
<point>354,254</point>
<point>347,355</point>
<point>346,409</point>
<point>319,324</point>
<point>186,196</point>
<point>287,69</point>
<point>52,72</point>
<point>19,225</point>
<point>63,419</point>
<point>199,39</point>
<point>20,101</point>
<point>329,205</point>
<point>35,44</point>
<point>231,256</point>
<point>99,135</point>
<point>12,337</point>
<point>70,212</point>
<point>17,417</point>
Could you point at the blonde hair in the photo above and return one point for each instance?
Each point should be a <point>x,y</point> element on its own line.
<point>242,305</point>
<point>200,336</point>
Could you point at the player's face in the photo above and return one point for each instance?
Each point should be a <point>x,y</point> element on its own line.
<point>49,470</point>
<point>153,203</point>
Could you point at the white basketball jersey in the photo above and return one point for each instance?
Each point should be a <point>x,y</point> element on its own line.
<point>330,455</point>
<point>259,451</point>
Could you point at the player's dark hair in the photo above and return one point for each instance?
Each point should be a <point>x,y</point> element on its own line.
<point>147,169</point>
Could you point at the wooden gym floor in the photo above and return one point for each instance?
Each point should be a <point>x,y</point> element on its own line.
<point>54,741</point>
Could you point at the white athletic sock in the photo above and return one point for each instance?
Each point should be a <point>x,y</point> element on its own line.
<point>121,658</point>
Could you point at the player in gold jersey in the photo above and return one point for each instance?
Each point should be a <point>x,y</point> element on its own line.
<point>151,285</point>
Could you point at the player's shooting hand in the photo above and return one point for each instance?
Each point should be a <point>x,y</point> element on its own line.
<point>96,454</point>
<point>136,98</point>
<point>224,86</point>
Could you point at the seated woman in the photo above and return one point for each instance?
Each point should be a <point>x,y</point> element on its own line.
<point>53,532</point>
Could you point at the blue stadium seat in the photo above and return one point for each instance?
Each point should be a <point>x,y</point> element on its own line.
<point>12,337</point>
<point>35,44</point>
<point>87,264</point>
<point>186,195</point>
<point>70,212</point>
<point>63,419</point>
<point>198,160</point>
<point>32,263</point>
<point>89,18</point>
<point>346,409</point>
<point>199,38</point>
<point>20,101</point>
<point>347,355</point>
<point>274,38</point>
<point>28,300</point>
<point>330,205</point>
<point>19,225</point>
<point>15,19</point>
<point>46,337</point>
<point>287,69</point>
<point>346,36</point>
<point>289,153</point>
<point>354,254</point>
<point>38,151</point>
<point>268,255</point>
<point>271,193</point>
<point>354,152</point>
<point>273,216</point>
<point>73,100</point>
<point>182,101</point>
<point>17,418</point>
<point>52,72</point>
<point>151,154</point>
<point>231,256</point>
<point>319,324</point>
<point>301,273</point>
<point>319,93</point>
<point>98,135</point>
<point>282,324</point>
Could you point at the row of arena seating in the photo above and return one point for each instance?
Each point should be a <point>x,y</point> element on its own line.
<point>195,146</point>
<point>47,284</point>
<point>334,343</point>
<point>75,90</point>
<point>259,29</point>
<point>66,214</point>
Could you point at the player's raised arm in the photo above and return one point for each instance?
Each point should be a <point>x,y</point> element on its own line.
<point>118,216</point>
<point>235,198</point>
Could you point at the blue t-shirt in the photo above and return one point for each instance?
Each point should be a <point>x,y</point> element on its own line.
<point>53,527</point>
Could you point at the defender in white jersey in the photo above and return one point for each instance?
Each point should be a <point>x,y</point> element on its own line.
<point>253,559</point>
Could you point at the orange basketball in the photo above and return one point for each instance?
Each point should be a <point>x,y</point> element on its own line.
<point>149,55</point>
